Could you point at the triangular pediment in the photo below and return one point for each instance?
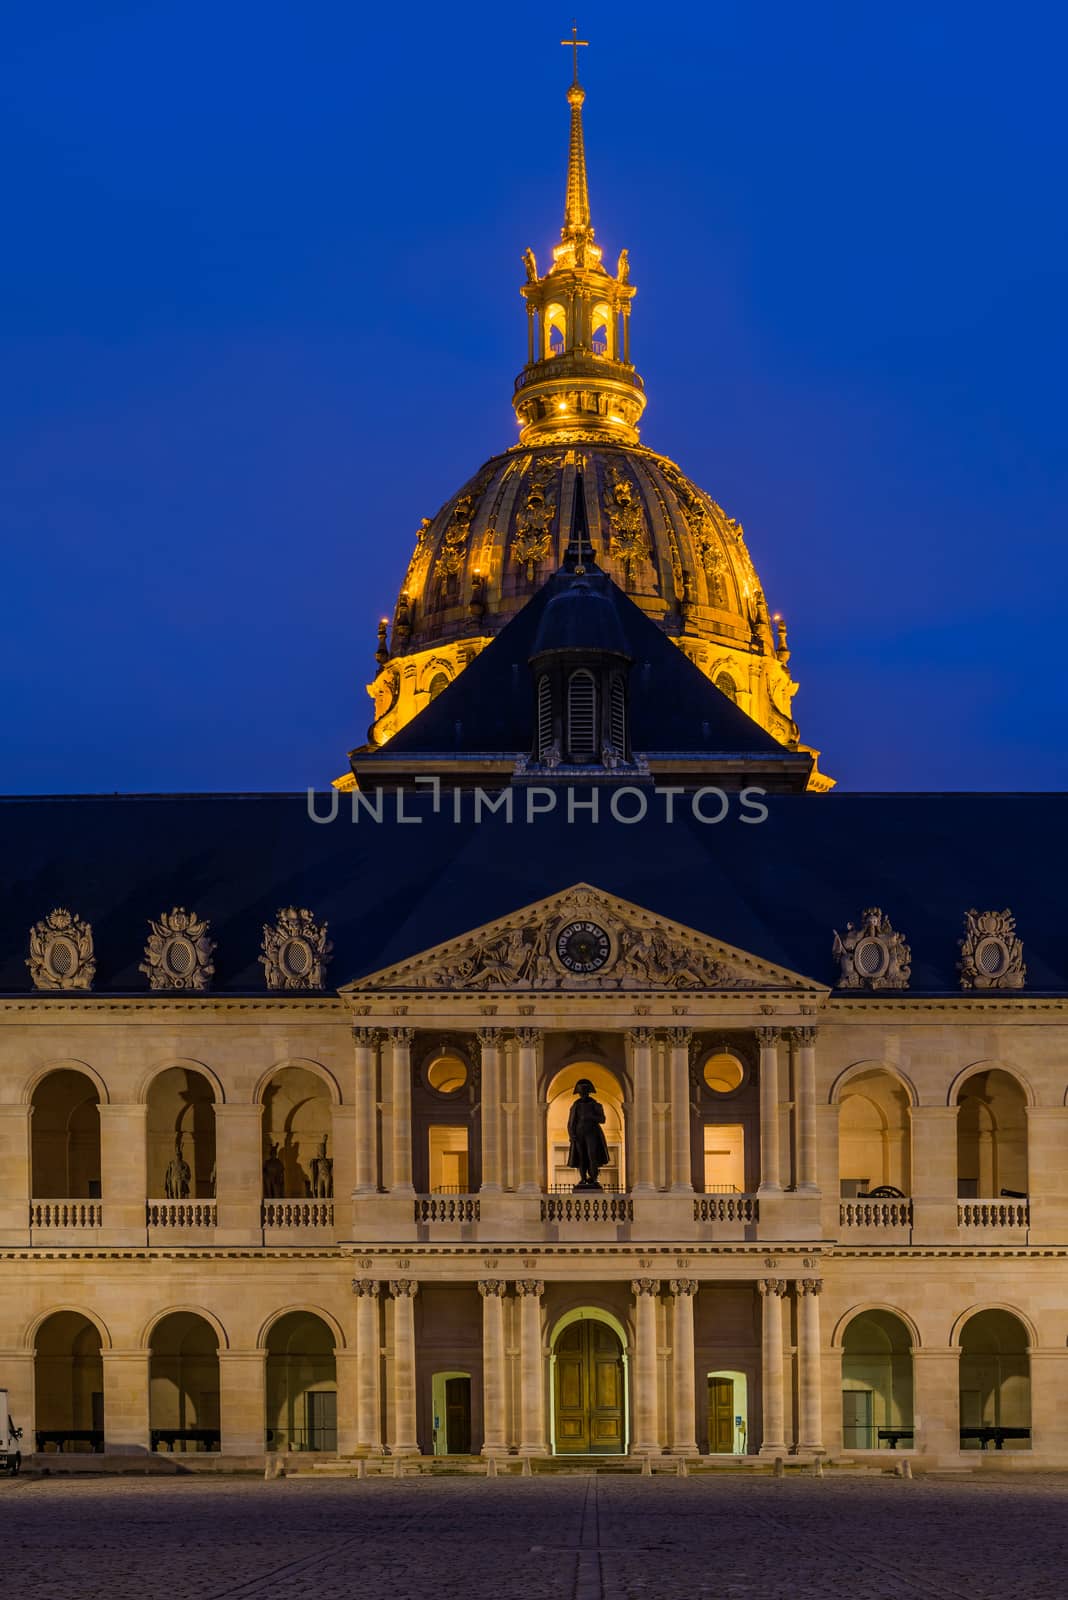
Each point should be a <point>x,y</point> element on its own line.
<point>583,939</point>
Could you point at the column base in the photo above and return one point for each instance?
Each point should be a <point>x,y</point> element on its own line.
<point>690,1449</point>
<point>768,1452</point>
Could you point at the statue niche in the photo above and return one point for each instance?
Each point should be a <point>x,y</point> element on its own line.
<point>588,1148</point>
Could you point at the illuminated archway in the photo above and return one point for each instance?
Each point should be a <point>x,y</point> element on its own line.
<point>560,1097</point>
<point>995,1379</point>
<point>874,1134</point>
<point>68,1372</point>
<point>65,1137</point>
<point>588,1382</point>
<point>991,1136</point>
<point>183,1383</point>
<point>301,1383</point>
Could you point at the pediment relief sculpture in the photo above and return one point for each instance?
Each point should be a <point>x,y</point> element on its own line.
<point>579,940</point>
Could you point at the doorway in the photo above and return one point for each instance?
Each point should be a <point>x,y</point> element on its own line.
<point>452,1413</point>
<point>588,1390</point>
<point>728,1418</point>
<point>858,1419</point>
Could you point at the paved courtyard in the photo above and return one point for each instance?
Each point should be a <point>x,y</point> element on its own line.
<point>562,1538</point>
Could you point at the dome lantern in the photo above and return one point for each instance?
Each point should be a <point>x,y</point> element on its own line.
<point>579,381</point>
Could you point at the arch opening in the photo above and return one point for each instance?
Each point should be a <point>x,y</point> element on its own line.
<point>183,1384</point>
<point>995,1382</point>
<point>877,1383</point>
<point>68,1372</point>
<point>297,1123</point>
<point>181,1135</point>
<point>874,1135</point>
<point>991,1137</point>
<point>301,1384</point>
<point>65,1137</point>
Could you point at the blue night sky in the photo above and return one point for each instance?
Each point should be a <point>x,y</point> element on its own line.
<point>259,313</point>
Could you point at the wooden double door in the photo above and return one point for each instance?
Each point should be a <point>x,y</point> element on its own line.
<point>588,1396</point>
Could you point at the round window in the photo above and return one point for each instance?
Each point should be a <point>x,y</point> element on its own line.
<point>446,1074</point>
<point>723,1072</point>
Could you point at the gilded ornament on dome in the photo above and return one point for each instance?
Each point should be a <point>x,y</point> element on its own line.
<point>627,542</point>
<point>532,541</point>
<point>454,541</point>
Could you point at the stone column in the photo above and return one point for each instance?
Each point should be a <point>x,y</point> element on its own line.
<point>641,1154</point>
<point>239,1174</point>
<point>400,1041</point>
<point>368,1356</point>
<point>530,1132</point>
<point>809,1365</point>
<point>15,1174</point>
<point>773,1442</point>
<point>243,1401</point>
<point>125,1401</point>
<point>123,1173</point>
<point>365,1041</point>
<point>804,1041</point>
<point>405,1440</point>
<point>532,1440</point>
<point>490,1041</point>
<point>683,1429</point>
<point>681,1149</point>
<point>645,1408</point>
<point>770,1165</point>
<point>494,1420</point>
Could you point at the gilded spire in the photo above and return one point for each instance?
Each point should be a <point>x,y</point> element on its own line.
<point>577,206</point>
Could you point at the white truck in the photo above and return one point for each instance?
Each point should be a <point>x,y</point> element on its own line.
<point>10,1454</point>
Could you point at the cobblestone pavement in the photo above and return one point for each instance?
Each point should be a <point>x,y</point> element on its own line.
<point>559,1538</point>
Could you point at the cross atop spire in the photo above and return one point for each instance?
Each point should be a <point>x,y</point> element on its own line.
<point>575,44</point>
<point>577,229</point>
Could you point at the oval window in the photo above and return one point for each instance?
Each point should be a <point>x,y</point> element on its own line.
<point>446,1073</point>
<point>723,1072</point>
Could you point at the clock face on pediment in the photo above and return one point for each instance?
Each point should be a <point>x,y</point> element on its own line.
<point>583,947</point>
<point>582,937</point>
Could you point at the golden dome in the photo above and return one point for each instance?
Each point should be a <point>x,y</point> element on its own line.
<point>663,540</point>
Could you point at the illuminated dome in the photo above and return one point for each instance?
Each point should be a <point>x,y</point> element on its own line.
<point>578,402</point>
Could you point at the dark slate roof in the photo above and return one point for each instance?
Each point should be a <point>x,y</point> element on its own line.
<point>777,889</point>
<point>673,706</point>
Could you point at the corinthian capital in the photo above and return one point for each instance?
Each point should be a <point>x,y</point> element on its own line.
<point>493,1037</point>
<point>684,1285</point>
<point>641,1036</point>
<point>772,1286</point>
<point>804,1036</point>
<point>401,1288</point>
<point>401,1036</point>
<point>680,1036</point>
<point>533,1287</point>
<point>810,1285</point>
<point>492,1286</point>
<point>529,1036</point>
<point>366,1286</point>
<point>768,1037</point>
<point>366,1036</point>
<point>640,1286</point>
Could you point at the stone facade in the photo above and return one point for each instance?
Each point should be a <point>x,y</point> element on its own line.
<point>395,1282</point>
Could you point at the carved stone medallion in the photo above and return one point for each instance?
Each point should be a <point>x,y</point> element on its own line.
<point>991,954</point>
<point>872,956</point>
<point>295,950</point>
<point>61,952</point>
<point>178,953</point>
